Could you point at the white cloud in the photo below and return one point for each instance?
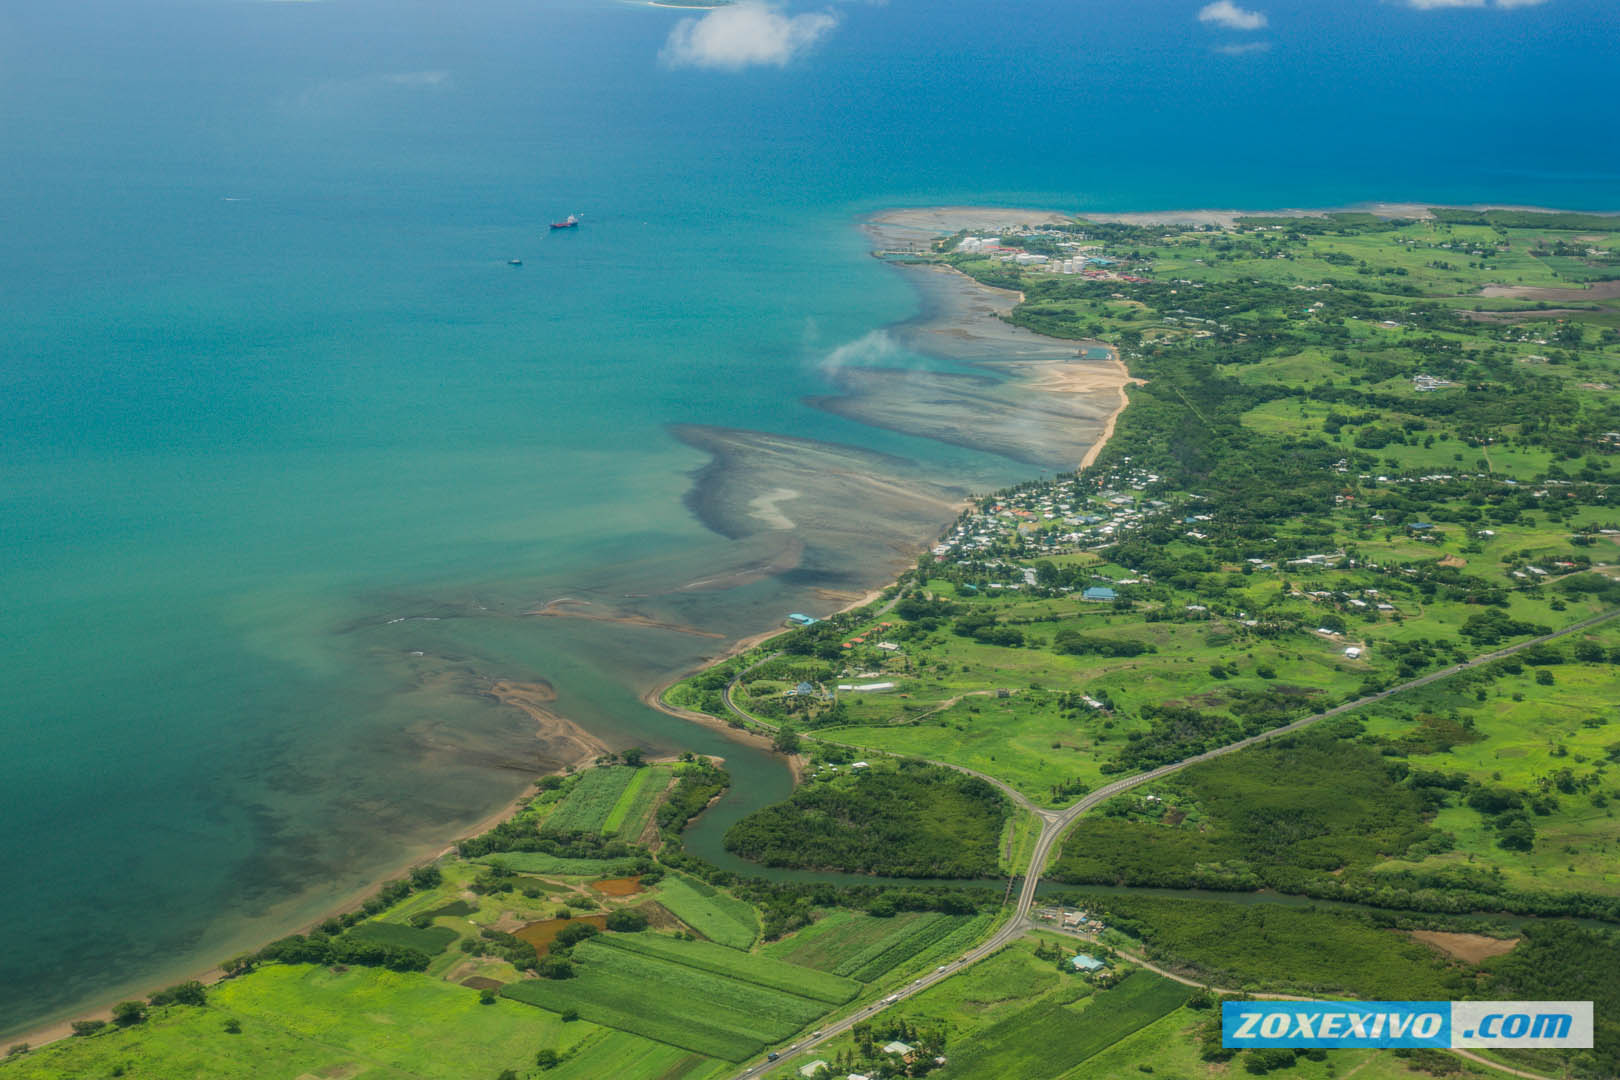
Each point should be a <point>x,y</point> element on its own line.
<point>744,34</point>
<point>1227,14</point>
<point>875,349</point>
<point>1243,47</point>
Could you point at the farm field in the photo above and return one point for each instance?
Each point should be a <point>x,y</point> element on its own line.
<point>654,998</point>
<point>1049,1039</point>
<point>716,915</point>
<point>916,944</point>
<point>750,968</point>
<point>840,934</point>
<point>592,799</point>
<point>634,809</point>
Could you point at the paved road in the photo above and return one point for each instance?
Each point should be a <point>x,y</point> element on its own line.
<point>1055,823</point>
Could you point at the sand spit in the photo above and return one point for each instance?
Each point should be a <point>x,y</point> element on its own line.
<point>1039,400</point>
<point>568,607</point>
<point>1010,417</point>
<point>861,516</point>
<point>560,738</point>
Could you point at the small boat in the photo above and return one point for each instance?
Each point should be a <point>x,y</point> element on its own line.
<point>514,262</point>
<point>569,222</point>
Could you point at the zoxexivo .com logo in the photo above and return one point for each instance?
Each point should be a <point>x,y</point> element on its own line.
<point>1305,1025</point>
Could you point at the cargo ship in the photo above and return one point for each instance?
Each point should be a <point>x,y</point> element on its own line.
<point>569,222</point>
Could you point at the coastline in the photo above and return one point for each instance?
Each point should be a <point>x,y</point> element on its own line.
<point>549,726</point>
<point>552,727</point>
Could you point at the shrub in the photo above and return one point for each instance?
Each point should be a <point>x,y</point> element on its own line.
<point>129,1013</point>
<point>625,921</point>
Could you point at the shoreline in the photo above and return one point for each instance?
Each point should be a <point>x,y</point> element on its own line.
<point>530,698</point>
<point>421,854</point>
<point>918,220</point>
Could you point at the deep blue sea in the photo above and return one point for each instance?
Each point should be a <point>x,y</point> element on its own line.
<point>286,446</point>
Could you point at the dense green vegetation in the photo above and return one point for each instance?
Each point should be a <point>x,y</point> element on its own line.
<point>915,820</point>
<point>1278,947</point>
<point>430,940</point>
<point>1564,962</point>
<point>1251,820</point>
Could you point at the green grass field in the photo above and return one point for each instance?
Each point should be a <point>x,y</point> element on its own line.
<point>619,1054</point>
<point>593,797</point>
<point>432,940</point>
<point>745,967</point>
<point>302,1021</point>
<point>1528,737</point>
<point>716,915</point>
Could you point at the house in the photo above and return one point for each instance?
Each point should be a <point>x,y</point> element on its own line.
<point>897,1047</point>
<point>801,620</point>
<point>812,1068</point>
<point>804,689</point>
<point>860,765</point>
<point>1087,962</point>
<point>1099,592</point>
<point>1352,652</point>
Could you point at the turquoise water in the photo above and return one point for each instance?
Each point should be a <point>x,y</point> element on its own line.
<point>267,384</point>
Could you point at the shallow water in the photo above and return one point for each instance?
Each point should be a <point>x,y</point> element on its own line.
<point>287,449</point>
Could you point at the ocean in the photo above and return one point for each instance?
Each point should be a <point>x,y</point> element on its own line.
<point>287,448</point>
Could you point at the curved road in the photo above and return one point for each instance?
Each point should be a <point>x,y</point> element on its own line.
<point>1054,823</point>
